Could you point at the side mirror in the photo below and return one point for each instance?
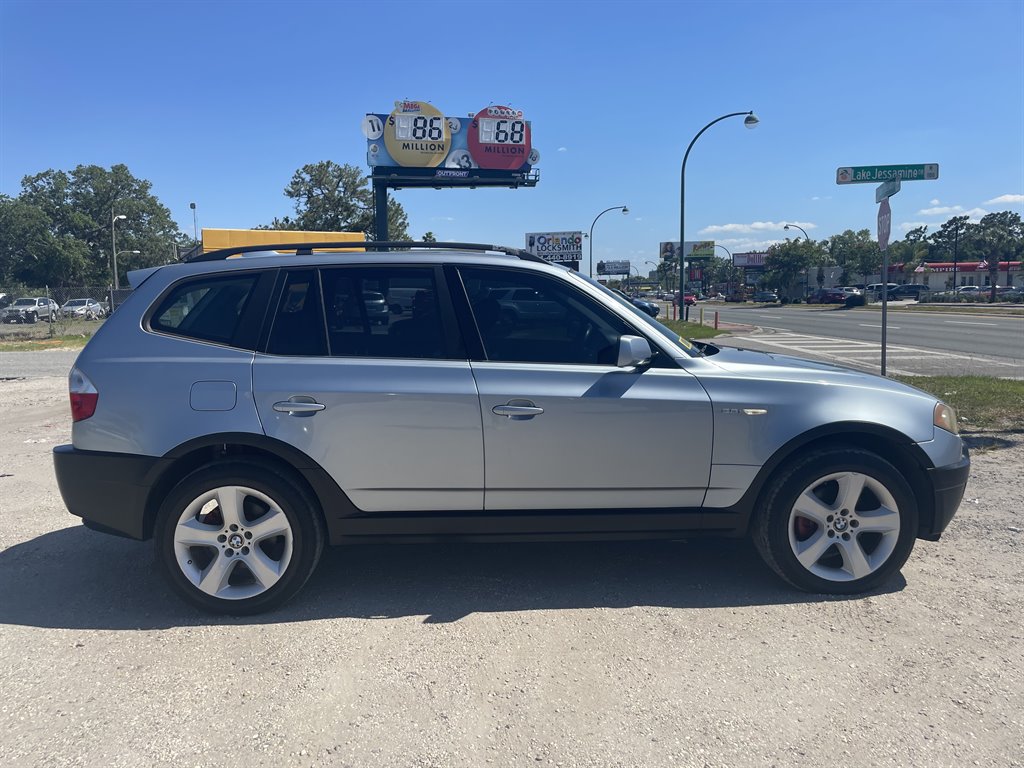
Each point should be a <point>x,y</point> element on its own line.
<point>633,350</point>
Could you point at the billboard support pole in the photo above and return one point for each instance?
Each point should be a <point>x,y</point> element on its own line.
<point>380,210</point>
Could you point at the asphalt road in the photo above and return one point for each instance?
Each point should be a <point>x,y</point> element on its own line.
<point>973,334</point>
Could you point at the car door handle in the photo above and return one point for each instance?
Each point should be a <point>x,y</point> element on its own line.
<point>298,407</point>
<point>519,410</point>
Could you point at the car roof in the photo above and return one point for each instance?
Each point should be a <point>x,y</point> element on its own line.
<point>259,258</point>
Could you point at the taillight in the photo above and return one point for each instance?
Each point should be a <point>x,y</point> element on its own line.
<point>83,395</point>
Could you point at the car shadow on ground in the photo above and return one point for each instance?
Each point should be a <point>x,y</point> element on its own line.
<point>78,579</point>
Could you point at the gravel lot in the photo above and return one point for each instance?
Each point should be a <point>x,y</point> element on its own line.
<point>617,654</point>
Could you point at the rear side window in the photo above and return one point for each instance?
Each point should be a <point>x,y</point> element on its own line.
<point>208,309</point>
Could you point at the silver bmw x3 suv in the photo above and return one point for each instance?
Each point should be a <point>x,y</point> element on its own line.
<point>246,408</point>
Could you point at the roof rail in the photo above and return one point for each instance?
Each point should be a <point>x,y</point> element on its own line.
<point>305,249</point>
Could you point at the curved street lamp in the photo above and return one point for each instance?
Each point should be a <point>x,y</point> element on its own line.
<point>732,262</point>
<point>116,254</point>
<point>749,120</point>
<point>624,209</point>
<point>806,269</point>
<point>797,226</point>
<point>114,218</point>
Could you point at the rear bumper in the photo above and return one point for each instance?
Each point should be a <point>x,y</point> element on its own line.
<point>107,490</point>
<point>948,485</point>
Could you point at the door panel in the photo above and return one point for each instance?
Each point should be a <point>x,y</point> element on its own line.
<point>396,435</point>
<point>607,438</point>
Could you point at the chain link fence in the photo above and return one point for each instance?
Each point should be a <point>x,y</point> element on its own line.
<point>75,311</point>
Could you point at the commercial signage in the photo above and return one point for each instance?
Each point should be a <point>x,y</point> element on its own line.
<point>613,267</point>
<point>416,140</point>
<point>556,246</point>
<point>751,259</point>
<point>872,174</point>
<point>698,249</point>
<point>692,249</point>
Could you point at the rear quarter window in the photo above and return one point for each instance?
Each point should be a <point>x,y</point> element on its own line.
<point>207,309</point>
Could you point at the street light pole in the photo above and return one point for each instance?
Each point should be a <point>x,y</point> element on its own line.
<point>114,218</point>
<point>195,225</point>
<point>749,120</point>
<point>624,210</point>
<point>806,279</point>
<point>797,226</point>
<point>728,278</point>
<point>116,254</point>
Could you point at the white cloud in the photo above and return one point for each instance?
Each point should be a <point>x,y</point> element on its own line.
<point>976,213</point>
<point>755,226</point>
<point>935,201</point>
<point>1005,199</point>
<point>442,218</point>
<point>906,226</point>
<point>819,197</point>
<point>563,149</point>
<point>947,210</point>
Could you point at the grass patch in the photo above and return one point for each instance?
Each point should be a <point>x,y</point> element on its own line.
<point>34,345</point>
<point>982,403</point>
<point>692,330</point>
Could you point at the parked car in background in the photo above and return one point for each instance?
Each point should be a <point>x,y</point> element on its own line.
<point>766,297</point>
<point>917,292</point>
<point>29,310</point>
<point>827,296</point>
<point>648,307</point>
<point>83,309</point>
<point>689,298</point>
<point>5,300</point>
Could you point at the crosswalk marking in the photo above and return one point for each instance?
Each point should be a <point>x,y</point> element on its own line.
<point>853,351</point>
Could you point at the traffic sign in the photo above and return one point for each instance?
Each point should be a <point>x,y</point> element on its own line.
<point>872,174</point>
<point>887,190</point>
<point>884,225</point>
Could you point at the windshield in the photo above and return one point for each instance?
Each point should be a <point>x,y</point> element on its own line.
<point>77,303</point>
<point>683,345</point>
<point>25,303</point>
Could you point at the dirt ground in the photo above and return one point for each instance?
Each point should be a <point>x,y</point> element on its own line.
<point>611,654</point>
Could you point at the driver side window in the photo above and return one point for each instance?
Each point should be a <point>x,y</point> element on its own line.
<point>527,317</point>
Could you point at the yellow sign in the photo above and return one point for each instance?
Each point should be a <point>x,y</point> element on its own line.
<point>215,239</point>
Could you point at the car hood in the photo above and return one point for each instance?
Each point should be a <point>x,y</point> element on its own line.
<point>769,365</point>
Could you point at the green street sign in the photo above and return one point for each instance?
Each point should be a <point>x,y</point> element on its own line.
<point>872,174</point>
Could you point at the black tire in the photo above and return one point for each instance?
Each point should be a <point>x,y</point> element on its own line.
<point>843,533</point>
<point>31,318</point>
<point>299,548</point>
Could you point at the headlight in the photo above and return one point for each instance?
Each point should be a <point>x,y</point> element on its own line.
<point>944,416</point>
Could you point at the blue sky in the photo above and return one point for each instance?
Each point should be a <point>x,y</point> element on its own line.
<point>220,102</point>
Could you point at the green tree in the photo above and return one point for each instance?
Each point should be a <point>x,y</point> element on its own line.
<point>337,198</point>
<point>429,238</point>
<point>856,253</point>
<point>79,206</point>
<point>1000,237</point>
<point>788,265</point>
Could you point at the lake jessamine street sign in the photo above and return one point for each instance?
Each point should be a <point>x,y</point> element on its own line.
<point>872,174</point>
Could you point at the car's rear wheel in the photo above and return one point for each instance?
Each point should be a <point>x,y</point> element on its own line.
<point>838,522</point>
<point>239,538</point>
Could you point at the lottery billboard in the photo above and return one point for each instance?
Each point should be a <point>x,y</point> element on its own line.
<point>417,141</point>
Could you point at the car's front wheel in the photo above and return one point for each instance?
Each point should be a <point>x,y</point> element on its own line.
<point>239,538</point>
<point>838,522</point>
